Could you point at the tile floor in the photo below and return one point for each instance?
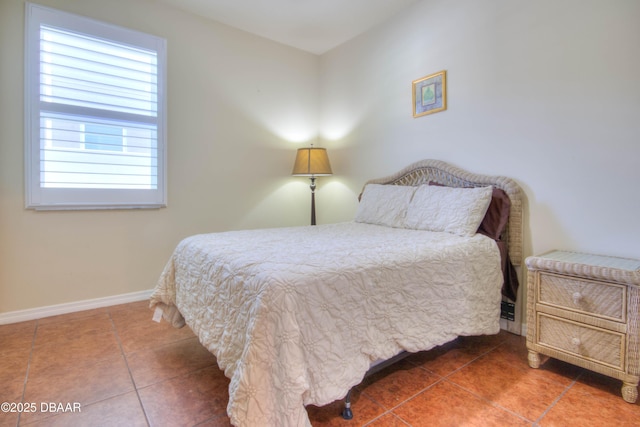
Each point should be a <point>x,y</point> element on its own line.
<point>125,370</point>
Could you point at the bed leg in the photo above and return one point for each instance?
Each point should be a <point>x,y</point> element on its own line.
<point>347,414</point>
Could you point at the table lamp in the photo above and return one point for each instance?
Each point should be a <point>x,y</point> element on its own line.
<point>312,162</point>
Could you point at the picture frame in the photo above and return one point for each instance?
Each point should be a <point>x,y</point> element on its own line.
<point>430,94</point>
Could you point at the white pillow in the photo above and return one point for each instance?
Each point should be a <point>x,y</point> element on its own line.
<point>384,204</point>
<point>454,210</point>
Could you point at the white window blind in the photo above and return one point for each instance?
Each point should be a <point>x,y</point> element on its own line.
<point>95,114</point>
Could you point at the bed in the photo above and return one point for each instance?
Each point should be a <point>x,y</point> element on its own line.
<point>298,315</point>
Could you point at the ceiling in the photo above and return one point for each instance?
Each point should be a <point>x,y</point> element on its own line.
<point>315,26</point>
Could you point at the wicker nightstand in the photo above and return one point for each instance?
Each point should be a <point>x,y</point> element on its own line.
<point>583,309</point>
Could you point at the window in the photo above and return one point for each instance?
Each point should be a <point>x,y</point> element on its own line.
<point>95,114</point>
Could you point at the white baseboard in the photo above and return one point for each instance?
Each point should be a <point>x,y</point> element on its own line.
<point>509,326</point>
<point>70,307</point>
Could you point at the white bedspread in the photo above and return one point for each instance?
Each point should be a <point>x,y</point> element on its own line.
<point>296,315</point>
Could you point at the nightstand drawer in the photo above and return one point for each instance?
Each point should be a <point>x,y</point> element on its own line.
<point>584,296</point>
<point>583,309</point>
<point>586,342</point>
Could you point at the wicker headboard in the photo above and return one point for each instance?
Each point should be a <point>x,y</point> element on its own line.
<point>437,171</point>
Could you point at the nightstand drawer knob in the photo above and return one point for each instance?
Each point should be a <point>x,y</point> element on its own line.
<point>575,341</point>
<point>577,297</point>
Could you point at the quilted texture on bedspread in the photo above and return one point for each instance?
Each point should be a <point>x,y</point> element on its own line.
<point>295,315</point>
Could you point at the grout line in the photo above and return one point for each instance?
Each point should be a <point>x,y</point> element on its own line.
<point>389,412</point>
<point>26,375</point>
<point>441,379</point>
<point>469,362</point>
<point>126,362</point>
<point>430,386</point>
<point>170,377</point>
<point>557,399</point>
<point>445,378</point>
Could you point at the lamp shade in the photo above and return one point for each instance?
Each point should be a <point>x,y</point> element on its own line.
<point>311,161</point>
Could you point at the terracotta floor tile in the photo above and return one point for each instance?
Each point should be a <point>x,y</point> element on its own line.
<point>136,305</point>
<point>8,419</point>
<point>446,359</point>
<point>486,343</point>
<point>62,318</point>
<point>558,371</point>
<point>13,366</point>
<point>61,332</point>
<point>388,420</point>
<point>15,349</point>
<point>131,313</point>
<point>10,392</point>
<point>504,338</point>
<point>447,405</point>
<point>441,360</point>
<point>576,409</point>
<point>363,407</point>
<point>512,354</point>
<point>605,391</point>
<point>600,386</point>
<point>168,361</point>
<point>137,331</point>
<point>471,381</point>
<point>217,421</point>
<point>397,383</point>
<point>186,400</point>
<point>11,328</point>
<point>86,383</point>
<point>506,383</point>
<point>123,410</point>
<point>515,357</point>
<point>18,338</point>
<point>85,348</point>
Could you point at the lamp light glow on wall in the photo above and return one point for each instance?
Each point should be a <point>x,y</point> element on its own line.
<point>312,162</point>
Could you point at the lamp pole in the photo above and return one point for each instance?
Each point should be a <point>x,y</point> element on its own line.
<point>313,199</point>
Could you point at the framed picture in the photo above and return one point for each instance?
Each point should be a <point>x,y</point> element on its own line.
<point>430,94</point>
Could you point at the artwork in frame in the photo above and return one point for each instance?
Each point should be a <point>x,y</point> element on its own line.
<point>430,94</point>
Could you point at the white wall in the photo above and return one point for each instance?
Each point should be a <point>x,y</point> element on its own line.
<point>238,107</point>
<point>546,92</point>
